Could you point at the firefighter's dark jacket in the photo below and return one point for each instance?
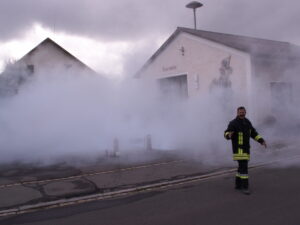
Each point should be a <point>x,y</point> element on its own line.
<point>242,131</point>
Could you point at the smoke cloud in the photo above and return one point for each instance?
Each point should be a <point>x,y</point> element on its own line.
<point>59,114</point>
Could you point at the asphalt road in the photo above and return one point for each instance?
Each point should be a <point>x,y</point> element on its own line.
<point>275,200</point>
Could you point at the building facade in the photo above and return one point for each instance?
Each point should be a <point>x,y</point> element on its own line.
<point>259,74</point>
<point>49,56</point>
<point>46,58</point>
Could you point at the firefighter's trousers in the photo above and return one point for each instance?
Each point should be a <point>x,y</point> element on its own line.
<point>242,177</point>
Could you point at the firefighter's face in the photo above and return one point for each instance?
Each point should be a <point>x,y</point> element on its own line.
<point>241,113</point>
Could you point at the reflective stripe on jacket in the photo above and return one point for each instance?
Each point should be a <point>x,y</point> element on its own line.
<point>242,131</point>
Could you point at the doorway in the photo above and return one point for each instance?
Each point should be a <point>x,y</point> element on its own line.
<point>174,87</point>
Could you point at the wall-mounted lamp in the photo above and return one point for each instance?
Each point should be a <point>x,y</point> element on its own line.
<point>182,50</point>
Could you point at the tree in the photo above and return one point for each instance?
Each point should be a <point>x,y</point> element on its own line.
<point>13,76</point>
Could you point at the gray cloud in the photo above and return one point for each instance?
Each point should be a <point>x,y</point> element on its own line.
<point>113,20</point>
<point>271,19</point>
<point>132,19</point>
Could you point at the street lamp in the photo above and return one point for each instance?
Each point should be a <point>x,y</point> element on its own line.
<point>194,5</point>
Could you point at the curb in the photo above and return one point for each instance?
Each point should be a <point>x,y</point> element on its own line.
<point>108,195</point>
<point>89,174</point>
<point>113,194</point>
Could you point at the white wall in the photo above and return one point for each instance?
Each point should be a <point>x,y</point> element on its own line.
<point>48,58</point>
<point>201,62</point>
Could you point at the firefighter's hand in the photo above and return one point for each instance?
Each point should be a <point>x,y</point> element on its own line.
<point>264,144</point>
<point>230,134</point>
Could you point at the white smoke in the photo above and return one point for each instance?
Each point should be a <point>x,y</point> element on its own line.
<point>61,114</point>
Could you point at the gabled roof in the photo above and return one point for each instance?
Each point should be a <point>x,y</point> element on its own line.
<point>49,41</point>
<point>256,47</point>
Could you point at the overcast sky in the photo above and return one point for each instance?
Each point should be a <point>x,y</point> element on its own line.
<point>117,37</point>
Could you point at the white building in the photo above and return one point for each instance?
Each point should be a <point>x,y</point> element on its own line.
<point>46,58</point>
<point>49,56</point>
<point>261,73</point>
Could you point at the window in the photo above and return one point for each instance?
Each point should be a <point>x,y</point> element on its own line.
<point>30,69</point>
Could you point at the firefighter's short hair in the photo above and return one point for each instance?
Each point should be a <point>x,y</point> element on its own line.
<point>240,108</point>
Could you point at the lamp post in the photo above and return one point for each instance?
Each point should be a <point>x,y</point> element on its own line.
<point>194,5</point>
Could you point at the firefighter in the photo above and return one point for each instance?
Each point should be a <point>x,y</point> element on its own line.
<point>239,131</point>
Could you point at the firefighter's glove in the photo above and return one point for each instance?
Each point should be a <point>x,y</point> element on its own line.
<point>229,135</point>
<point>262,142</point>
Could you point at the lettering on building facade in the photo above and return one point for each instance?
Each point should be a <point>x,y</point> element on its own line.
<point>169,68</point>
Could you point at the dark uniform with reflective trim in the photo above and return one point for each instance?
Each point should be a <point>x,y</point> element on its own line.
<point>242,131</point>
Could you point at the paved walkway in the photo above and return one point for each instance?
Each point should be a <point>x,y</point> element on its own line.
<point>23,185</point>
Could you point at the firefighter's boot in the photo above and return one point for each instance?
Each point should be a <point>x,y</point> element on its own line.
<point>238,183</point>
<point>245,186</point>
